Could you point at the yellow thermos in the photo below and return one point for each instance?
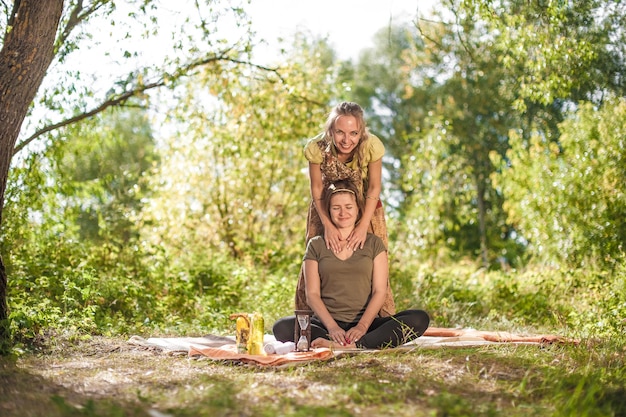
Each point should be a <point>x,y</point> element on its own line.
<point>242,334</point>
<point>257,325</point>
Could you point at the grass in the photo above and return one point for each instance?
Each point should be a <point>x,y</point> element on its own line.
<point>108,377</point>
<point>76,373</point>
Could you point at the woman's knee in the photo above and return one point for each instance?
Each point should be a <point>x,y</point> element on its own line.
<point>418,320</point>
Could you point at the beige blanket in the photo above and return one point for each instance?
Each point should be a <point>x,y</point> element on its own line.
<point>223,348</point>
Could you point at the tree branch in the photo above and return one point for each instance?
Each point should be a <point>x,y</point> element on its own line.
<point>424,34</point>
<point>72,22</point>
<point>457,26</point>
<point>77,16</point>
<point>115,101</point>
<point>120,99</point>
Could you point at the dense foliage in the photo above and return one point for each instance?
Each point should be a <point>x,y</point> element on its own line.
<point>572,216</point>
<point>504,201</point>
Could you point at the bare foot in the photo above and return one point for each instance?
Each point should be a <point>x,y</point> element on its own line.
<point>321,342</point>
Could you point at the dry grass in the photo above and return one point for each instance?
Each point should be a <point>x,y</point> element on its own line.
<point>109,377</point>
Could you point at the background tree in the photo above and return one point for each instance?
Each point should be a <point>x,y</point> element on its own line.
<point>36,33</point>
<point>442,112</point>
<point>26,53</point>
<point>100,167</point>
<point>563,51</point>
<point>70,240</point>
<point>556,55</point>
<point>567,200</point>
<point>450,96</point>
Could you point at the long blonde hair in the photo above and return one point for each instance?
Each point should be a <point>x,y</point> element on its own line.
<point>348,108</point>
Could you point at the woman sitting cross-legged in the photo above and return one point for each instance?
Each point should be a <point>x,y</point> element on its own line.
<point>346,290</point>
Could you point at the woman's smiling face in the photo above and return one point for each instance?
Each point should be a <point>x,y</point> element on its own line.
<point>346,135</point>
<point>343,209</point>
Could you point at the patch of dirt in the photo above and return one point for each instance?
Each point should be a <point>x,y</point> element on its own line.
<point>102,369</point>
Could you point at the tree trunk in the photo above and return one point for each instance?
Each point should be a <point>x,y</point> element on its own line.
<point>482,216</point>
<point>24,59</point>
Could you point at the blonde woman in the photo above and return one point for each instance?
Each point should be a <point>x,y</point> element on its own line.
<point>346,151</point>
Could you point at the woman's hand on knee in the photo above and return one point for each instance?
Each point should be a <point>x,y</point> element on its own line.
<point>355,334</point>
<point>337,335</point>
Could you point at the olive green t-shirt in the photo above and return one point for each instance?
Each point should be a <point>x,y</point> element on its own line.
<point>345,286</point>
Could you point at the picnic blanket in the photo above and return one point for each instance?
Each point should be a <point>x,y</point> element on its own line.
<point>223,348</point>
<point>497,337</point>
